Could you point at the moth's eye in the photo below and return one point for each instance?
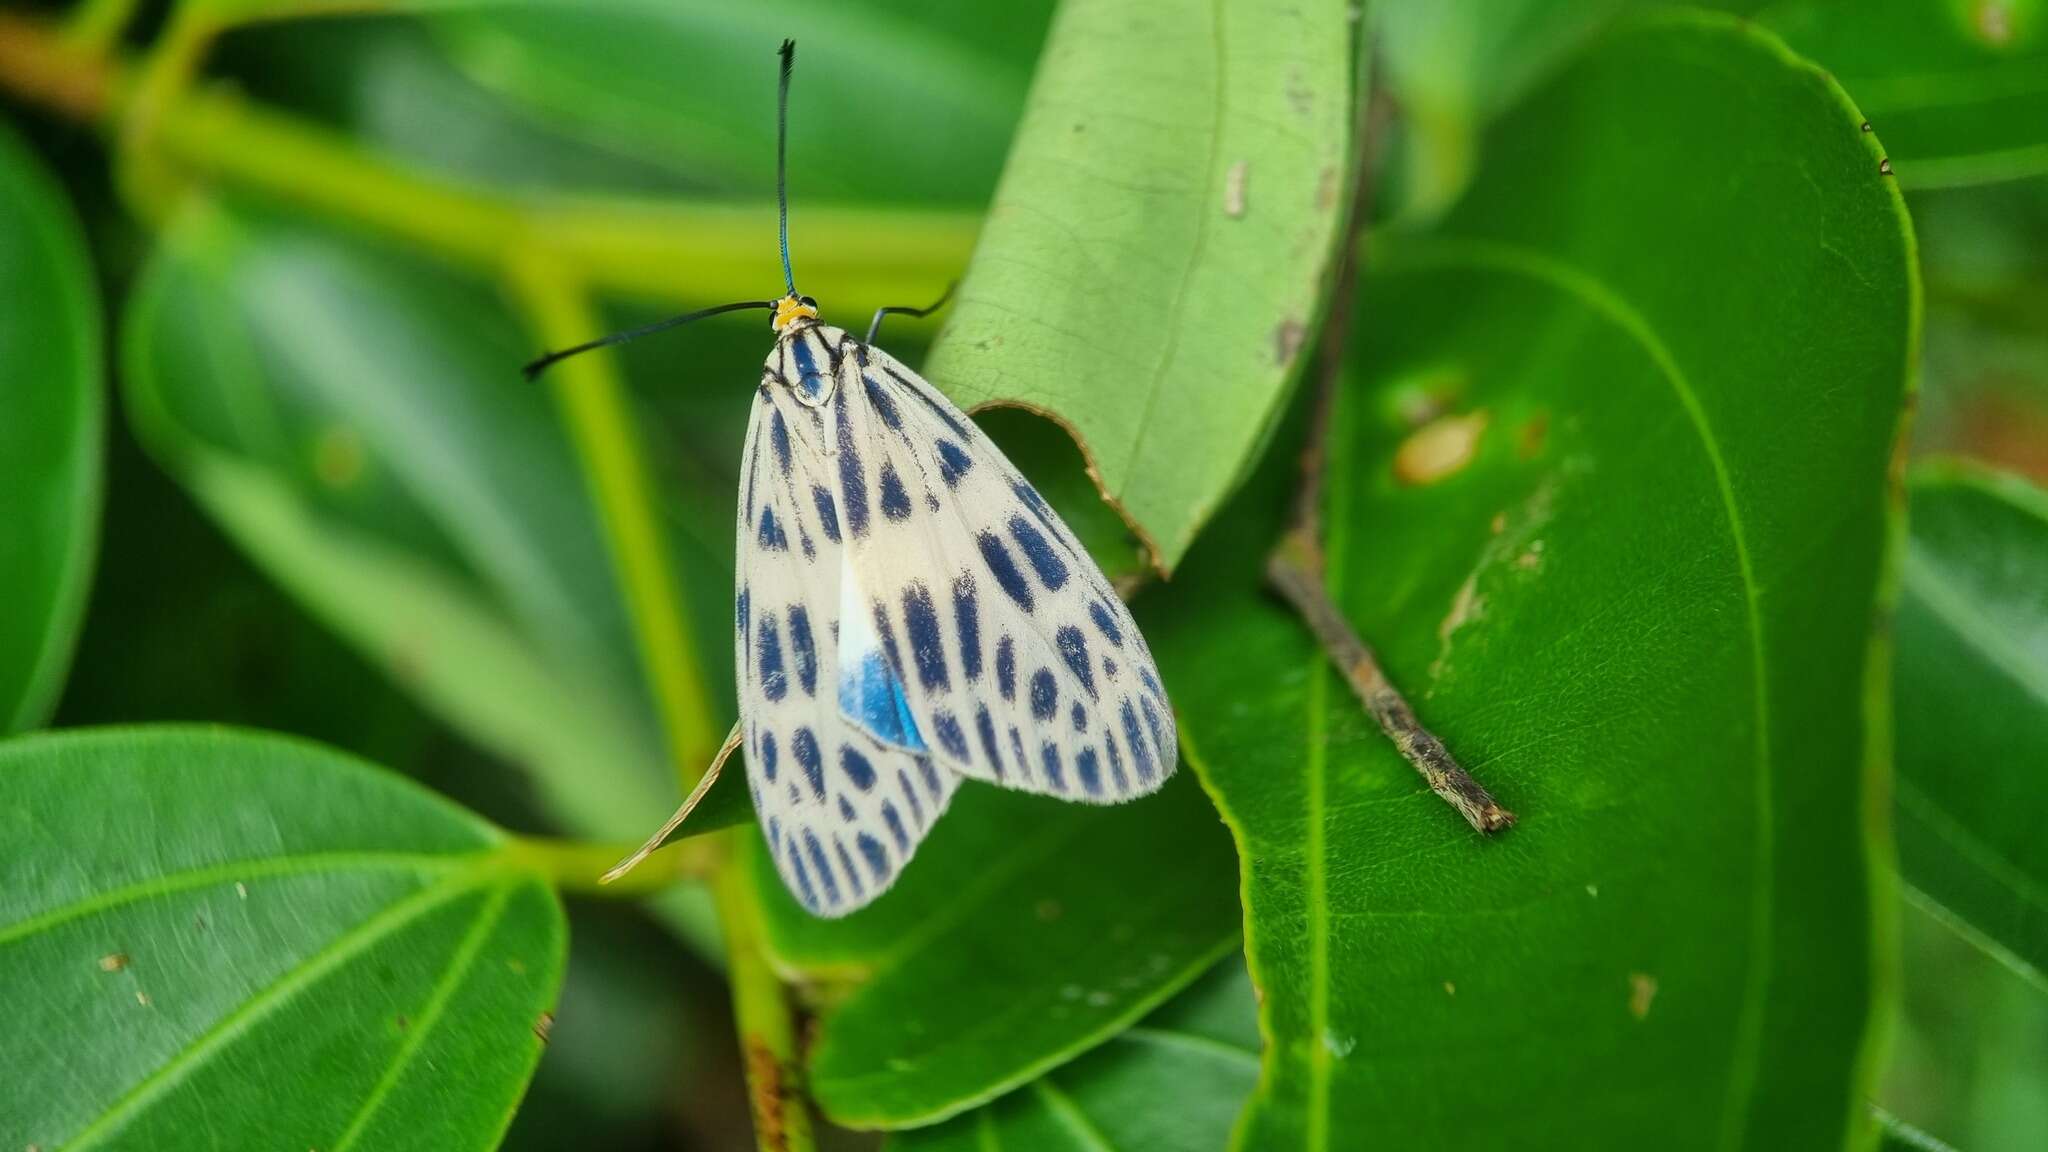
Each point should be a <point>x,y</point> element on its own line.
<point>807,302</point>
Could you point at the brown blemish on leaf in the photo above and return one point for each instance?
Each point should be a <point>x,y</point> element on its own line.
<point>1049,910</point>
<point>764,1080</point>
<point>113,961</point>
<point>517,966</point>
<point>1439,448</point>
<point>1532,559</point>
<point>1993,19</point>
<point>1642,988</point>
<point>1326,190</point>
<point>1884,166</point>
<point>1499,524</point>
<point>1533,435</point>
<point>338,457</point>
<point>1288,337</point>
<point>1450,989</point>
<point>1866,126</point>
<point>544,1027</point>
<point>241,890</point>
<point>1466,606</point>
<point>142,998</point>
<point>402,1021</point>
<point>1233,190</point>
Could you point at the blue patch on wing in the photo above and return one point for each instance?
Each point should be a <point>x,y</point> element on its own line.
<point>872,697</point>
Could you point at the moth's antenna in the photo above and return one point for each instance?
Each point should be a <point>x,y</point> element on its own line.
<point>788,53</point>
<point>534,369</point>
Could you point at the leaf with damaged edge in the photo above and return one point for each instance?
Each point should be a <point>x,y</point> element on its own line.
<point>1971,698</point>
<point>246,941</point>
<point>52,425</point>
<point>1027,931</point>
<point>1151,265</point>
<point>1638,604</point>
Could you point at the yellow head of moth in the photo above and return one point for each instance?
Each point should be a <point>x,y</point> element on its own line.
<point>792,308</point>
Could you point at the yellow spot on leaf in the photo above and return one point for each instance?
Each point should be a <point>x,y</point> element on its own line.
<point>1438,449</point>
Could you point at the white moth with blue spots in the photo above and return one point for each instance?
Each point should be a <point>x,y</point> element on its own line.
<point>909,613</point>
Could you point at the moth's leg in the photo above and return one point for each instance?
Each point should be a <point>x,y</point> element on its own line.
<point>875,325</point>
<point>710,777</point>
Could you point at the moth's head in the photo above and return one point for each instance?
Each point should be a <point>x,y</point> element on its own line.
<point>792,312</point>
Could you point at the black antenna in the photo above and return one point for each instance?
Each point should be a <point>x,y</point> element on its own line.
<point>788,54</point>
<point>534,369</point>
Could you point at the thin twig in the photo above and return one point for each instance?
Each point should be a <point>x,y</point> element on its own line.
<point>1295,568</point>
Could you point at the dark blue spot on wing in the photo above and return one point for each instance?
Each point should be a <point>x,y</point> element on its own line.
<point>877,857</point>
<point>967,618</point>
<point>774,834</point>
<point>1108,668</point>
<point>1079,716</point>
<point>818,864</point>
<point>895,824</point>
<point>1017,750</point>
<point>749,501</point>
<point>953,463</point>
<point>986,729</point>
<point>1152,724</point>
<point>810,381</point>
<point>927,646</point>
<point>1105,622</point>
<point>884,407</point>
<point>1116,761</point>
<point>771,536</point>
<point>1089,770</point>
<point>828,511</point>
<point>853,482</point>
<point>895,501</point>
<point>910,794</point>
<point>1045,694</point>
<point>1055,772</point>
<point>859,772</point>
<point>951,738</point>
<point>1074,650</point>
<point>778,435</point>
<point>846,811</point>
<point>804,747</point>
<point>1006,668</point>
<point>768,642</point>
<point>932,781</point>
<point>1052,571</point>
<point>1141,753</point>
<point>1151,682</point>
<point>1037,505</point>
<point>739,611</point>
<point>804,648</point>
<point>944,411</point>
<point>1004,569</point>
<point>769,757</point>
<point>804,891</point>
<point>846,862</point>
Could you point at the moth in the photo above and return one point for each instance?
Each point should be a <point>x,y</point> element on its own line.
<point>909,613</point>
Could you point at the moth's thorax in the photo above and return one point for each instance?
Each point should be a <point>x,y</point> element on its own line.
<point>806,359</point>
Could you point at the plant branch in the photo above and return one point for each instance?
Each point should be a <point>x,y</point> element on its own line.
<point>668,253</point>
<point>767,1028</point>
<point>1296,568</point>
<point>573,866</point>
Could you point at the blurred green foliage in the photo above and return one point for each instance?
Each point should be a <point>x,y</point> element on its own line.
<point>1645,272</point>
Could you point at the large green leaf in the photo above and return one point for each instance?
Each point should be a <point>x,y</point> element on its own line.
<point>50,436</point>
<point>1972,704</point>
<point>1154,257</point>
<point>356,422</point>
<point>897,98</point>
<point>241,941</point>
<point>1954,88</point>
<point>1174,1083</point>
<point>1675,314</point>
<point>1027,931</point>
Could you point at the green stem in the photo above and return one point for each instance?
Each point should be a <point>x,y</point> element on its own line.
<point>768,1039</point>
<point>670,253</point>
<point>94,25</point>
<point>573,866</point>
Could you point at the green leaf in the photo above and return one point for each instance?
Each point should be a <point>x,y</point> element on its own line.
<point>1971,699</point>
<point>1675,313</point>
<point>357,423</point>
<point>50,438</point>
<point>242,941</point>
<point>1026,932</point>
<point>1175,1081</point>
<point>1954,89</point>
<point>1152,263</point>
<point>893,98</point>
